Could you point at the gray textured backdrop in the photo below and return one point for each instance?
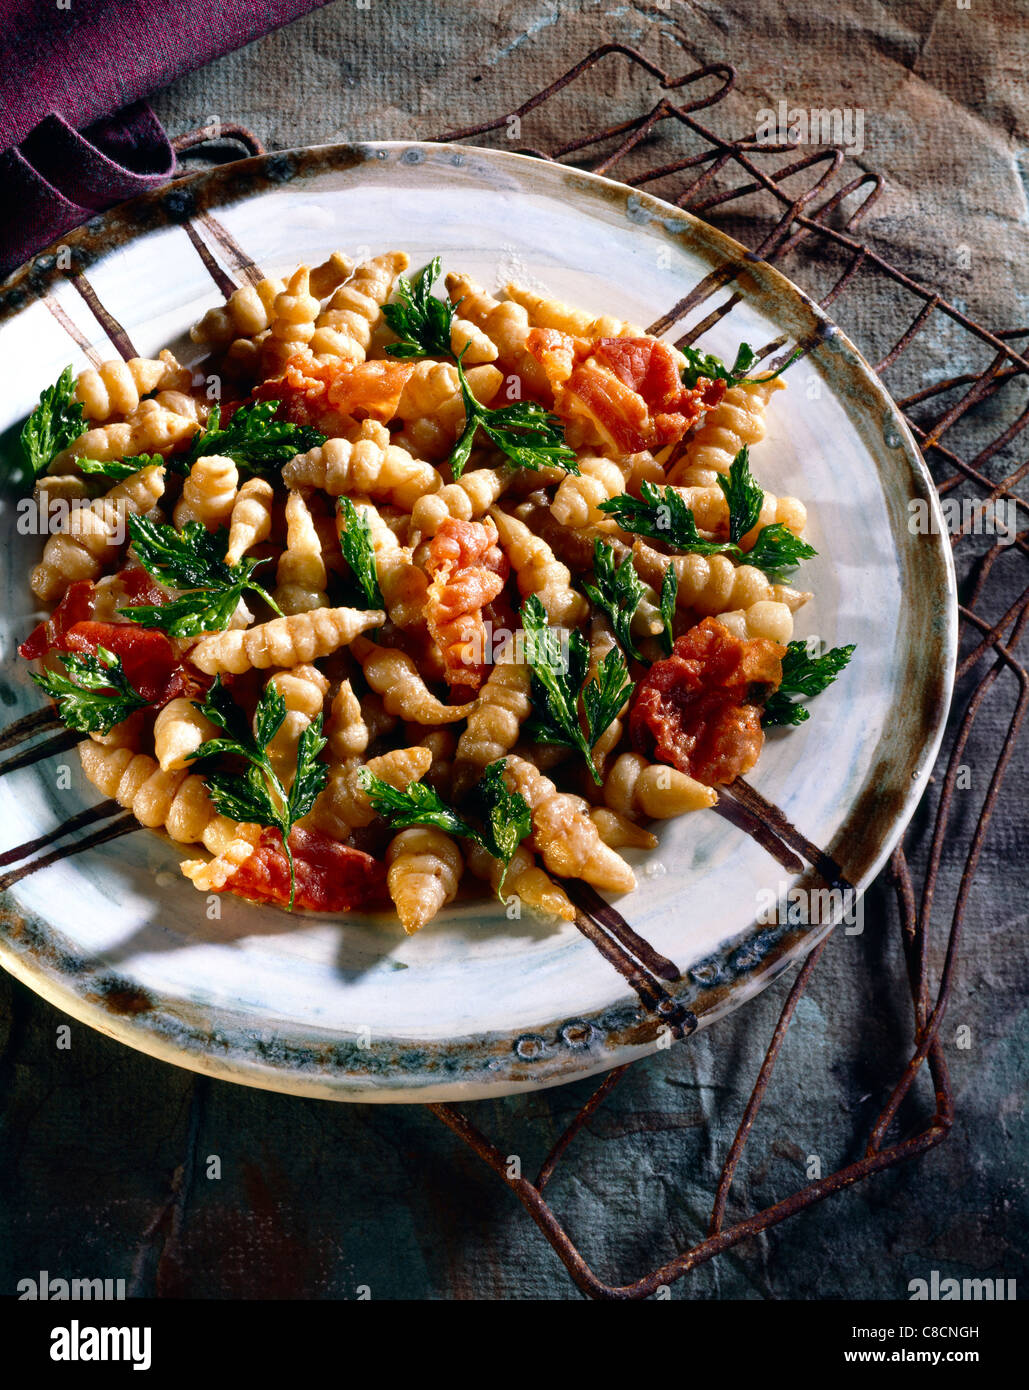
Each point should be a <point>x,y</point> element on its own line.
<point>102,1151</point>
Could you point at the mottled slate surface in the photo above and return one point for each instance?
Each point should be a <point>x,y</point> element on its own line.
<point>105,1156</point>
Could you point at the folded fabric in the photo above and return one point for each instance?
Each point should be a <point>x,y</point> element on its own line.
<point>59,177</point>
<point>75,133</point>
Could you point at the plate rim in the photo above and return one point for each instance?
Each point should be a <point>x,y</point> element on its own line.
<point>30,283</point>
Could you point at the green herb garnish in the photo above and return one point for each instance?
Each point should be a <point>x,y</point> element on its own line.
<point>804,674</point>
<point>662,514</point>
<point>617,593</point>
<point>254,439</point>
<point>506,819</point>
<point>777,551</point>
<point>120,469</point>
<point>421,321</point>
<point>415,804</point>
<point>355,541</point>
<point>527,433</point>
<point>559,684</point>
<point>257,795</point>
<point>706,364</point>
<point>743,496</point>
<point>669,596</point>
<point>98,697</point>
<point>192,559</point>
<point>56,422</point>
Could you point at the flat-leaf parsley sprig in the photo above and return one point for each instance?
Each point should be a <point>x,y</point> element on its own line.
<point>421,321</point>
<point>56,422</point>
<point>527,433</point>
<point>95,695</point>
<point>669,598</point>
<point>805,674</point>
<point>120,469</point>
<point>505,815</point>
<point>559,685</point>
<point>662,514</point>
<point>192,559</point>
<point>256,794</point>
<point>617,593</point>
<point>706,364</point>
<point>355,541</point>
<point>254,439</point>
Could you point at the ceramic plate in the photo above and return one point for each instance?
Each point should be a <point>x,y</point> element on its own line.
<point>476,1004</point>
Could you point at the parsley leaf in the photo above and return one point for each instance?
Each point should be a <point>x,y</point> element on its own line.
<point>56,422</point>
<point>662,514</point>
<point>257,795</point>
<point>99,697</point>
<point>120,469</point>
<point>604,696</point>
<point>743,496</point>
<point>805,674</point>
<point>529,435</point>
<point>420,320</point>
<point>777,551</point>
<point>192,559</point>
<point>559,682</point>
<point>526,432</point>
<point>253,439</point>
<point>355,541</point>
<point>617,593</point>
<point>669,596</point>
<point>416,804</point>
<point>506,816</point>
<point>708,365</point>
<point>311,775</point>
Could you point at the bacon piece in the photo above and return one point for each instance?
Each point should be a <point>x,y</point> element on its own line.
<point>694,709</point>
<point>625,394</point>
<point>468,570</point>
<point>619,413</point>
<point>151,664</point>
<point>78,604</point>
<point>325,394</point>
<point>75,607</point>
<point>556,352</point>
<point>646,365</point>
<point>330,876</point>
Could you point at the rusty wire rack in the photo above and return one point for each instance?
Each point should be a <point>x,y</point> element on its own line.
<point>798,208</point>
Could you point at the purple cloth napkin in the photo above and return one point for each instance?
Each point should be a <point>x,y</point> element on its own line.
<point>75,135</point>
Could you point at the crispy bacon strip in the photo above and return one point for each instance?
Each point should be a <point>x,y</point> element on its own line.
<point>620,393</point>
<point>328,394</point>
<point>694,709</point>
<point>468,570</point>
<point>331,877</point>
<point>151,662</point>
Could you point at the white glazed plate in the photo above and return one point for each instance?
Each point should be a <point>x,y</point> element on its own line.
<point>476,1004</point>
